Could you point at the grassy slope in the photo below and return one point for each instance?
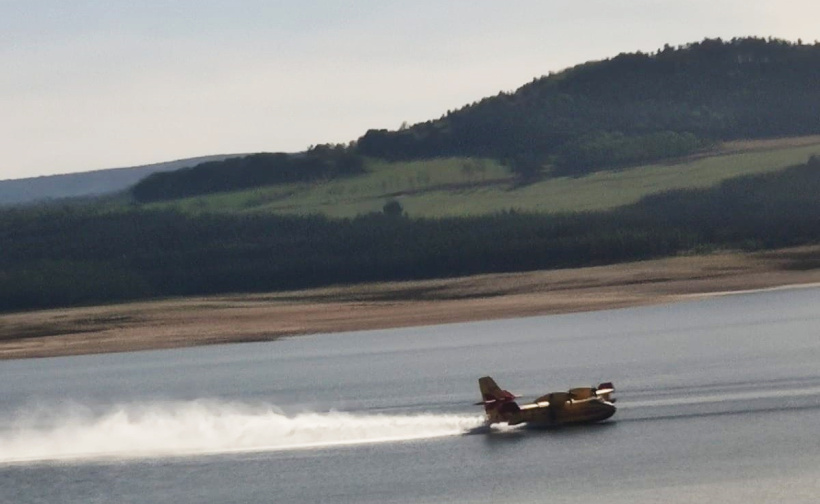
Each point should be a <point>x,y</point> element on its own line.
<point>457,187</point>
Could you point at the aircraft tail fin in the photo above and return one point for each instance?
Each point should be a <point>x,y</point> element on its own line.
<point>498,403</point>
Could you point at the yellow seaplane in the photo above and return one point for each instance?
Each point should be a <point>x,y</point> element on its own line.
<point>577,406</point>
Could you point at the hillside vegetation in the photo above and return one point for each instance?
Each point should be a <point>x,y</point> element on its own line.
<point>255,170</point>
<point>58,256</point>
<point>630,109</point>
<point>453,187</point>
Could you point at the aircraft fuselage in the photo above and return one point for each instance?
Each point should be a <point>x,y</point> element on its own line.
<point>570,412</point>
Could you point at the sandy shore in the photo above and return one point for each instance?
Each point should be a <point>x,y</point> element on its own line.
<point>264,317</point>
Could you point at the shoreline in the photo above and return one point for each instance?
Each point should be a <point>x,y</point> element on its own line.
<point>185,322</point>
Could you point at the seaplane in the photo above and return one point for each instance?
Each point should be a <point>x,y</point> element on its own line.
<point>577,406</point>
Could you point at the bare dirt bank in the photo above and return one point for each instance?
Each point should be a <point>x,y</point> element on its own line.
<point>264,317</point>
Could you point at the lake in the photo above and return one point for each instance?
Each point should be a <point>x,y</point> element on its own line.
<point>719,401</point>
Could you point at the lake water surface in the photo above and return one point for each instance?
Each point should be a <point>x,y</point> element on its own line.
<point>719,401</point>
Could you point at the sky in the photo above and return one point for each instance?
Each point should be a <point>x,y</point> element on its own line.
<point>95,84</point>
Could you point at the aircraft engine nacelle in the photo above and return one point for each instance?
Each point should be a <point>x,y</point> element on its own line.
<point>605,391</point>
<point>582,393</point>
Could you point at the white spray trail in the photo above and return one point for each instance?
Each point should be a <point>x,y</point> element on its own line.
<point>205,427</point>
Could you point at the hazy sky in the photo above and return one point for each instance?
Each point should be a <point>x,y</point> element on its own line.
<point>90,84</point>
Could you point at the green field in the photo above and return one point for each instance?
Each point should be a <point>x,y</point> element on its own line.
<point>460,186</point>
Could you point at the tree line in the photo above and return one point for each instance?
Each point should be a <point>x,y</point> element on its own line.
<point>319,162</point>
<point>63,255</point>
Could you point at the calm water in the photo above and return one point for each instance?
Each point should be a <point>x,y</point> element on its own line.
<point>719,402</point>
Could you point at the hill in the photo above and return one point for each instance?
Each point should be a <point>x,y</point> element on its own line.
<point>630,109</point>
<point>333,215</point>
<point>87,184</point>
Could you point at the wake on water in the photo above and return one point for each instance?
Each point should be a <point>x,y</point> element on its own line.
<point>209,427</point>
<point>204,427</point>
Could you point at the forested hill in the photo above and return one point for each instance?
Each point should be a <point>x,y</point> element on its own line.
<point>628,109</point>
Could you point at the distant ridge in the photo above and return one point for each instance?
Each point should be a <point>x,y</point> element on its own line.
<point>627,110</point>
<point>90,183</point>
